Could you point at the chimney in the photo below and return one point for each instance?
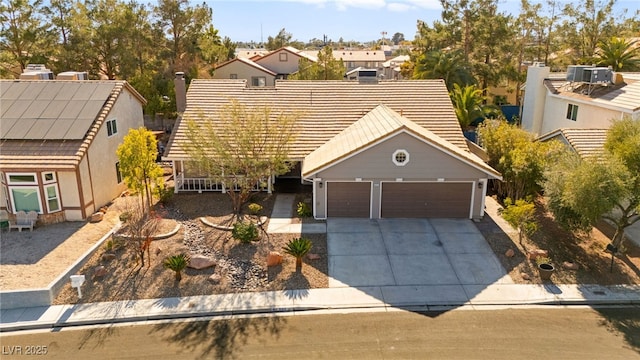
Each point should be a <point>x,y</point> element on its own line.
<point>181,92</point>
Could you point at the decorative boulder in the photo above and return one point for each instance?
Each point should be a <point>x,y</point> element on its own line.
<point>215,279</point>
<point>97,217</point>
<point>570,265</point>
<point>199,262</point>
<point>510,253</point>
<point>311,256</point>
<point>99,272</point>
<point>108,256</point>
<point>525,276</point>
<point>534,254</point>
<point>274,258</point>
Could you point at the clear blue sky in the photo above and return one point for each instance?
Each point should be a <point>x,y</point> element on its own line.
<point>359,20</point>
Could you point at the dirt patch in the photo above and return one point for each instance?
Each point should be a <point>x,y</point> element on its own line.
<point>240,267</point>
<point>586,251</point>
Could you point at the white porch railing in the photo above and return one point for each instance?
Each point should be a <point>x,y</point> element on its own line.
<point>205,184</point>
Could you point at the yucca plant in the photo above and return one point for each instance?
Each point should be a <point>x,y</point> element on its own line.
<point>177,263</point>
<point>298,247</point>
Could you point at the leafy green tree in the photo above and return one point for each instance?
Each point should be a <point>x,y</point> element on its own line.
<point>137,156</point>
<point>325,68</point>
<point>245,147</point>
<point>521,215</point>
<point>447,65</point>
<point>468,104</point>
<point>521,160</point>
<point>24,35</point>
<point>582,191</point>
<point>397,38</point>
<point>618,53</point>
<point>276,42</point>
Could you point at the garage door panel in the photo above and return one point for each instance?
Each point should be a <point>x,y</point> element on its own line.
<point>348,199</point>
<point>426,200</point>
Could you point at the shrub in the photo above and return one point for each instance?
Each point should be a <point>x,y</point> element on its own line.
<point>125,216</point>
<point>114,243</point>
<point>298,247</point>
<point>246,232</point>
<point>304,210</point>
<point>254,209</point>
<point>165,194</point>
<point>177,263</point>
<point>543,260</point>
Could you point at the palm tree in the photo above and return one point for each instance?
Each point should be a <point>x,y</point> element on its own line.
<point>619,54</point>
<point>468,104</point>
<point>177,263</point>
<point>447,65</point>
<point>298,247</point>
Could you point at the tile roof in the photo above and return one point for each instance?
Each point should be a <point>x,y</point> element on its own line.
<point>51,123</point>
<point>585,142</point>
<point>290,49</point>
<point>249,63</point>
<point>353,55</point>
<point>327,107</point>
<point>624,96</point>
<point>374,126</point>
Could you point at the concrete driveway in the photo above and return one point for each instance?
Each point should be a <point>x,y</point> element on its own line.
<point>399,252</point>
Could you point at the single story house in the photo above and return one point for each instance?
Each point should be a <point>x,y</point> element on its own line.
<point>58,144</point>
<point>246,69</point>
<point>388,149</point>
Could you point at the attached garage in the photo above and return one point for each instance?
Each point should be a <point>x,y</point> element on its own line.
<point>426,200</point>
<point>349,199</point>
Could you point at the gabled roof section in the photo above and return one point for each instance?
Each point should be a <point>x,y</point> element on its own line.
<point>586,142</point>
<point>51,123</point>
<point>624,96</point>
<point>327,108</point>
<point>291,50</point>
<point>375,126</point>
<point>247,62</point>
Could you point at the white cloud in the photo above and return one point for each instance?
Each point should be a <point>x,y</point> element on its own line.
<point>399,7</point>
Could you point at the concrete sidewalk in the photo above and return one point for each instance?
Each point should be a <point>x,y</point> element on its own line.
<point>417,298</point>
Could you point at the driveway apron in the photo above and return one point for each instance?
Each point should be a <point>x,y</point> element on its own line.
<point>397,252</point>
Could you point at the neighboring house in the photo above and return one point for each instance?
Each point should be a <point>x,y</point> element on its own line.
<point>389,149</point>
<point>58,142</point>
<point>553,101</point>
<point>391,67</point>
<point>241,68</point>
<point>283,61</point>
<point>251,53</point>
<point>585,142</point>
<point>368,59</point>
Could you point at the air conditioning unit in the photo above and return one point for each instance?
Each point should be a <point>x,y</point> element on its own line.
<point>73,75</point>
<point>596,75</point>
<point>575,73</point>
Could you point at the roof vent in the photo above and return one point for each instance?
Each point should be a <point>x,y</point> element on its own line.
<point>36,72</point>
<point>73,75</point>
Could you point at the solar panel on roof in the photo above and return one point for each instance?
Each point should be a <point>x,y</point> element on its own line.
<point>11,90</point>
<point>78,129</point>
<point>68,92</point>
<point>54,109</point>
<point>39,129</point>
<point>17,109</point>
<point>60,128</point>
<point>102,92</point>
<point>7,124</point>
<point>50,91</point>
<point>20,129</point>
<point>35,109</point>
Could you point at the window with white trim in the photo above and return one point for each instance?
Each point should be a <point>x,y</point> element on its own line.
<point>25,198</point>
<point>112,127</point>
<point>22,179</point>
<point>53,198</point>
<point>400,157</point>
<point>572,112</point>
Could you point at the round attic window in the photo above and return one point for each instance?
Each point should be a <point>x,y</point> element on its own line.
<point>400,157</point>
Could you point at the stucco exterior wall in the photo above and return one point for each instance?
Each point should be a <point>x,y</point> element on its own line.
<point>243,71</point>
<point>101,157</point>
<point>534,99</point>
<point>273,63</point>
<point>589,115</point>
<point>375,165</point>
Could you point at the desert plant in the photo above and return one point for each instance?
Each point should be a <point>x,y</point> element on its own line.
<point>298,247</point>
<point>254,209</point>
<point>177,263</point>
<point>246,232</point>
<point>543,260</point>
<point>521,215</point>
<point>125,216</point>
<point>114,243</point>
<point>165,194</point>
<point>304,210</point>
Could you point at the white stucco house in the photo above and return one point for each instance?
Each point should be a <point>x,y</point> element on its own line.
<point>374,150</point>
<point>58,144</point>
<point>553,102</point>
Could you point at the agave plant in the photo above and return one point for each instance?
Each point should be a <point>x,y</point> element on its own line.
<point>298,247</point>
<point>177,263</point>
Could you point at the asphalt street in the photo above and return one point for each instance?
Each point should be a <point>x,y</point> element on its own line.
<point>551,333</point>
